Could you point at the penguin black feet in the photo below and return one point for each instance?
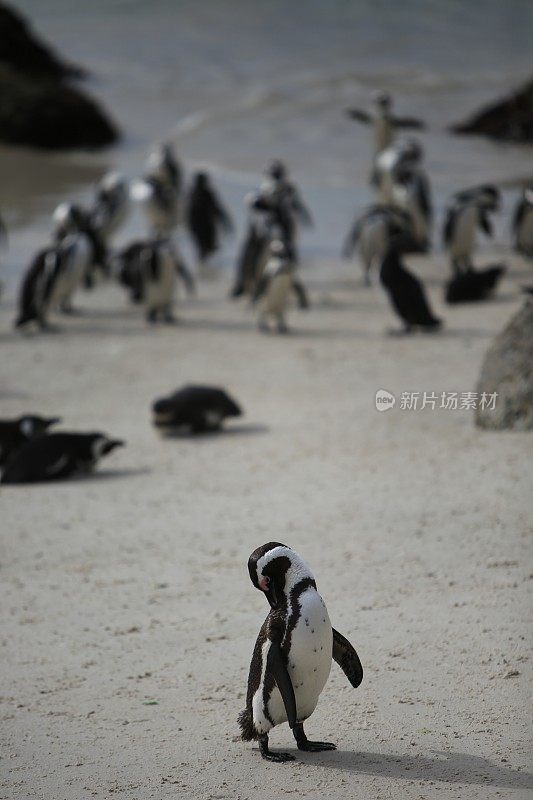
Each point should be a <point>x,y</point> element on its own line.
<point>268,755</point>
<point>303,742</point>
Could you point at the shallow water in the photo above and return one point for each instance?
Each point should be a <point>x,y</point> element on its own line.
<point>234,83</point>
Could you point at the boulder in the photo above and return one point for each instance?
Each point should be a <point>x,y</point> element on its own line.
<point>38,107</point>
<point>508,370</point>
<point>509,119</point>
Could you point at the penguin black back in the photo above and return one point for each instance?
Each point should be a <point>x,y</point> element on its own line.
<point>198,408</point>
<point>15,432</point>
<point>406,293</point>
<point>54,456</point>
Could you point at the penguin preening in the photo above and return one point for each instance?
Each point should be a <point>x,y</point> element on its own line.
<point>53,456</point>
<point>467,211</point>
<point>372,233</point>
<point>148,269</point>
<point>195,409</point>
<point>473,284</point>
<point>274,288</point>
<point>293,652</point>
<point>406,293</point>
<point>206,216</point>
<point>522,224</point>
<point>16,432</point>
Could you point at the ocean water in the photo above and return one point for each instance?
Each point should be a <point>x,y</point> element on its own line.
<point>233,83</point>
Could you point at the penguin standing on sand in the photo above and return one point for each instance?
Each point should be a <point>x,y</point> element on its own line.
<point>467,211</point>
<point>522,225</point>
<point>111,205</point>
<point>16,432</point>
<point>274,288</point>
<point>206,217</point>
<point>262,229</point>
<point>287,207</point>
<point>57,271</point>
<point>53,456</point>
<point>159,192</point>
<point>293,652</point>
<point>149,270</point>
<point>383,120</point>
<point>372,232</point>
<point>411,193</point>
<point>406,293</point>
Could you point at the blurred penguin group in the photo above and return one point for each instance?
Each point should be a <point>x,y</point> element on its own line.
<point>82,250</point>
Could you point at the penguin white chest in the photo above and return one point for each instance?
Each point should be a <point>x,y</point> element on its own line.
<point>277,296</point>
<point>309,658</point>
<point>465,231</point>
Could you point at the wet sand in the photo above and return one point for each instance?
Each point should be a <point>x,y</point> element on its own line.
<point>129,618</point>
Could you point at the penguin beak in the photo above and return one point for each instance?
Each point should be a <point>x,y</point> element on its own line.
<point>52,421</point>
<point>264,584</point>
<point>111,444</point>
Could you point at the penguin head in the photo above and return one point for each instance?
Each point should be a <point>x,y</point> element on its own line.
<point>101,445</point>
<point>201,180</point>
<point>382,100</point>
<point>31,425</point>
<point>275,569</point>
<point>276,169</point>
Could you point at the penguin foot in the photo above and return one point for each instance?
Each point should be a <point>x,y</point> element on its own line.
<point>316,747</point>
<point>268,755</point>
<point>303,742</point>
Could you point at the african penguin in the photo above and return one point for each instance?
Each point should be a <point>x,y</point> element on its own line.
<point>411,193</point>
<point>293,652</point>
<point>148,268</point>
<point>383,120</point>
<point>522,225</point>
<point>111,205</point>
<point>467,211</point>
<point>274,288</point>
<point>159,192</point>
<point>253,253</point>
<point>206,217</point>
<point>404,155</point>
<point>371,233</point>
<point>15,432</point>
<point>53,456</point>
<point>194,409</point>
<point>406,293</point>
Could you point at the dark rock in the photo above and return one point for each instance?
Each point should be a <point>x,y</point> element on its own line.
<point>22,50</point>
<point>49,114</point>
<point>38,107</point>
<point>508,370</point>
<point>510,119</point>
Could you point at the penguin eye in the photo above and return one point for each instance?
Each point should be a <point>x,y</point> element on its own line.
<point>264,583</point>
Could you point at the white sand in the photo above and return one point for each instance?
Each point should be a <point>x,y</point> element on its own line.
<point>131,586</point>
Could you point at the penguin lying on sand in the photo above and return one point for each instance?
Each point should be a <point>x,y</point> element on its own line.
<point>292,655</point>
<point>474,284</point>
<point>372,232</point>
<point>16,432</point>
<point>406,293</point>
<point>274,288</point>
<point>522,225</point>
<point>54,456</point>
<point>197,409</point>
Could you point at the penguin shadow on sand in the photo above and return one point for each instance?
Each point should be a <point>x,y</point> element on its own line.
<point>250,429</point>
<point>451,768</point>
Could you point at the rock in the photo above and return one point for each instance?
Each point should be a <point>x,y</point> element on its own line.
<point>38,107</point>
<point>49,114</point>
<point>22,50</point>
<point>510,119</point>
<point>508,370</point>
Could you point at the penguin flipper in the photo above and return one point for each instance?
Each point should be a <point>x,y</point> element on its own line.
<point>278,669</point>
<point>347,659</point>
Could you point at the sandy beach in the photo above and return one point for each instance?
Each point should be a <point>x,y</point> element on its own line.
<point>128,615</point>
